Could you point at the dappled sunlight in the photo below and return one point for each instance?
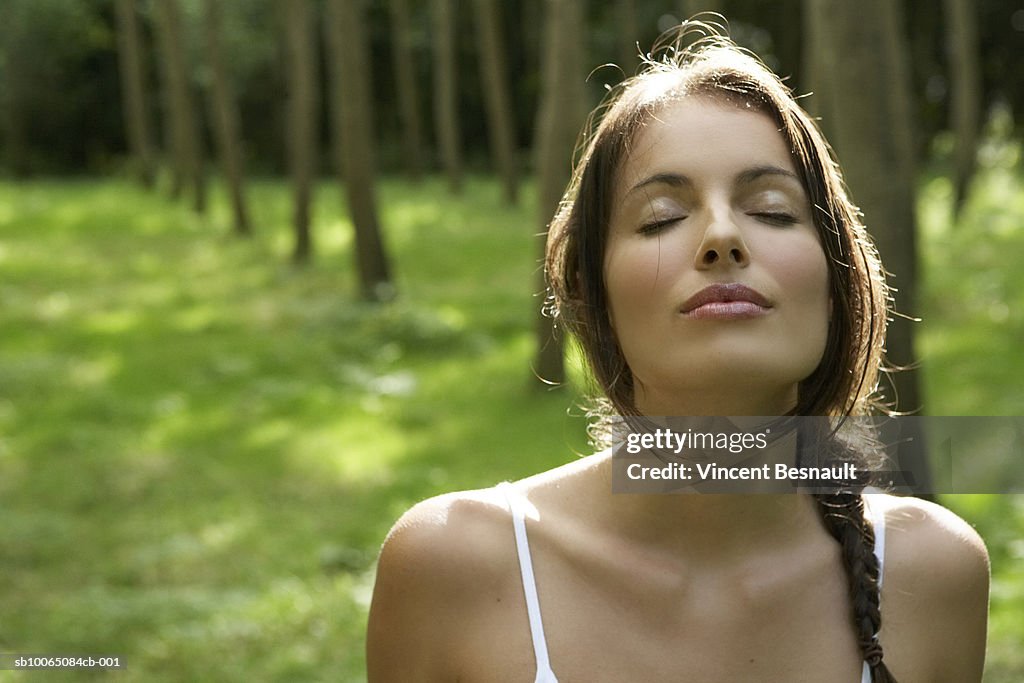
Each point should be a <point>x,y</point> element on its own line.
<point>196,318</point>
<point>94,372</point>
<point>113,322</point>
<point>335,236</point>
<point>350,453</point>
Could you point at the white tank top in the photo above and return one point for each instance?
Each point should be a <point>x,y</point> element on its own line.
<point>518,507</point>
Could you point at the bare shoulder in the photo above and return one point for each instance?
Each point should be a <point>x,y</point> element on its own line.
<point>438,530</point>
<point>934,542</point>
<point>437,562</point>
<point>446,577</point>
<point>935,582</point>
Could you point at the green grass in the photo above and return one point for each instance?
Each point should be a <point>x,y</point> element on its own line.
<point>201,447</point>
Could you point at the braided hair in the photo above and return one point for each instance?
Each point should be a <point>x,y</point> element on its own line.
<point>845,381</point>
<point>843,515</point>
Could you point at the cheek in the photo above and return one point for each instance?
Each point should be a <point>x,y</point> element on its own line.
<point>632,273</point>
<point>803,273</point>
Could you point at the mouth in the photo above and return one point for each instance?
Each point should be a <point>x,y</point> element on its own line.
<point>731,301</point>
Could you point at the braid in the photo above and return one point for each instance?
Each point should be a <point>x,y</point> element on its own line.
<point>843,515</point>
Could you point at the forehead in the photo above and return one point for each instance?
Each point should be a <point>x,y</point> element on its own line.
<point>703,137</point>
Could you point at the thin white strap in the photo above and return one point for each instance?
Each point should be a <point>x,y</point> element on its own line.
<point>878,521</point>
<point>540,645</point>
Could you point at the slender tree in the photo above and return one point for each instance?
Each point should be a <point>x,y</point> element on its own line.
<point>965,91</point>
<point>300,51</point>
<point>406,88</point>
<point>446,112</point>
<point>224,114</point>
<point>185,132</point>
<point>625,15</point>
<point>814,84</point>
<point>353,135</point>
<point>873,137</point>
<point>494,79</point>
<point>14,74</point>
<point>690,8</point>
<point>560,115</point>
<point>133,91</point>
<point>531,31</point>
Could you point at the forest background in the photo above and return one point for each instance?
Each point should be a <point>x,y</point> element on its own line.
<point>268,276</point>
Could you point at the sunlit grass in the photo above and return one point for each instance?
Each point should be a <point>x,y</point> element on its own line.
<point>202,446</point>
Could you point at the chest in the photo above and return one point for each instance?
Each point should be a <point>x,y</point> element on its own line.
<point>615,621</point>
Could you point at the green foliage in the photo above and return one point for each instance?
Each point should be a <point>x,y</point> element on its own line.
<point>201,448</point>
<point>973,317</point>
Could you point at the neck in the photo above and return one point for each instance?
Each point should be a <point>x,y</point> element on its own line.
<point>724,401</point>
<point>714,527</point>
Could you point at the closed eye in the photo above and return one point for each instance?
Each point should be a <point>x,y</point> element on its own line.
<point>655,227</point>
<point>775,217</point>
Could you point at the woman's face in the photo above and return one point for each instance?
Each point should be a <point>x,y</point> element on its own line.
<point>716,279</point>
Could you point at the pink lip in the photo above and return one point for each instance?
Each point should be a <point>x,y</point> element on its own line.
<point>731,301</point>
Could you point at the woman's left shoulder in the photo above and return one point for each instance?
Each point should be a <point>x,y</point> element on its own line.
<point>932,541</point>
<point>935,590</point>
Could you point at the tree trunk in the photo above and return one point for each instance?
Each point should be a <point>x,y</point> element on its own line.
<point>224,113</point>
<point>965,91</point>
<point>560,116</point>
<point>531,32</point>
<point>873,137</point>
<point>353,134</point>
<point>12,87</point>
<point>446,111</point>
<point>133,92</point>
<point>690,8</point>
<point>814,83</point>
<point>405,86</point>
<point>494,79</point>
<point>625,14</point>
<point>184,131</point>
<point>300,48</point>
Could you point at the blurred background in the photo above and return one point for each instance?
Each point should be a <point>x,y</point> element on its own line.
<point>269,275</point>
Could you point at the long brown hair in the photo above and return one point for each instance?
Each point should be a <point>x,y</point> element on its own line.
<point>845,381</point>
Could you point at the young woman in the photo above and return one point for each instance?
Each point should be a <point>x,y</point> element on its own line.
<point>708,261</point>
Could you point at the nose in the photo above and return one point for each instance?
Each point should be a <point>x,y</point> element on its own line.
<point>722,243</point>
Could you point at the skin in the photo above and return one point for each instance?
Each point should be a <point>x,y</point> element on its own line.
<point>710,195</point>
<point>712,588</point>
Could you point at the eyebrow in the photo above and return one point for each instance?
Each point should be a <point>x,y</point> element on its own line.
<point>671,179</point>
<point>742,178</point>
<point>752,174</point>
